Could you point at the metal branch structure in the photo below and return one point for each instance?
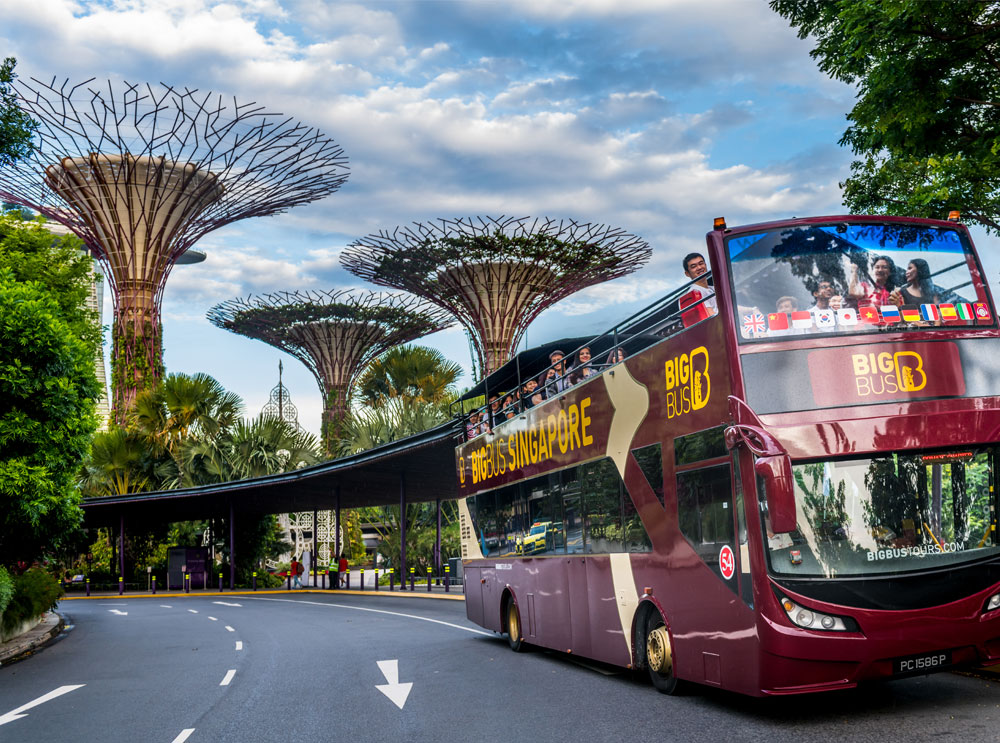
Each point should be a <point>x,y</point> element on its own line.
<point>495,275</point>
<point>141,172</point>
<point>334,333</point>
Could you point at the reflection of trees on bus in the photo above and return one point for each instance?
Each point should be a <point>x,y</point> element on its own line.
<point>894,511</point>
<point>824,506</point>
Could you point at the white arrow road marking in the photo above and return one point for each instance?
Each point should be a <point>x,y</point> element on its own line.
<point>239,644</point>
<point>225,603</point>
<point>396,691</point>
<point>168,606</point>
<point>213,619</point>
<point>119,613</point>
<point>15,714</point>
<point>184,735</point>
<point>230,628</point>
<point>229,677</point>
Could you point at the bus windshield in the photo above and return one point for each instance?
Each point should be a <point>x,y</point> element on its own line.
<point>852,278</point>
<point>889,514</point>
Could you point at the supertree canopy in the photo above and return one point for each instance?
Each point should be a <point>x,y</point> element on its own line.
<point>334,333</point>
<point>495,275</point>
<point>141,172</point>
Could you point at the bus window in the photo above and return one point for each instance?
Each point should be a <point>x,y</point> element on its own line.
<point>650,461</point>
<point>705,513</point>
<point>602,506</point>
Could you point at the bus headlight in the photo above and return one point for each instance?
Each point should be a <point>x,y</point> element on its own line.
<point>809,619</point>
<point>993,603</point>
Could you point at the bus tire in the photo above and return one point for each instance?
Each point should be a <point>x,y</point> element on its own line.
<point>515,637</point>
<point>660,657</point>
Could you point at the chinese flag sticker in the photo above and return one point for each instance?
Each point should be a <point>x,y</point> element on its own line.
<point>777,321</point>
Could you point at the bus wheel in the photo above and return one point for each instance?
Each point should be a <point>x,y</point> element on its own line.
<point>660,658</point>
<point>514,637</point>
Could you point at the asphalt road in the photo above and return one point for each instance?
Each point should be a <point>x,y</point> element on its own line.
<point>306,667</point>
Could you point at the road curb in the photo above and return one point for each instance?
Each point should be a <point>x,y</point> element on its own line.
<point>52,624</point>
<point>294,592</point>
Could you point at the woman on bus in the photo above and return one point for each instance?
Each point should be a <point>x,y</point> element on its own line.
<point>878,294</point>
<point>919,289</point>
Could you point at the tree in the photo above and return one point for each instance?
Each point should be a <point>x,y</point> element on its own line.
<point>47,394</point>
<point>926,125</point>
<point>17,129</point>
<point>413,373</point>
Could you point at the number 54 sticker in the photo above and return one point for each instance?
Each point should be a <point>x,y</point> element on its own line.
<point>727,562</point>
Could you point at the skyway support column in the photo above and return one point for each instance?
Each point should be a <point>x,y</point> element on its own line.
<point>437,544</point>
<point>336,553</point>
<point>315,555</point>
<point>232,546</point>
<point>121,554</point>
<point>402,530</point>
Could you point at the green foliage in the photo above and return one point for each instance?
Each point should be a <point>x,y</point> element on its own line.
<point>6,589</point>
<point>17,129</point>
<point>47,393</point>
<point>421,533</point>
<point>926,125</point>
<point>136,361</point>
<point>414,373</point>
<point>35,592</point>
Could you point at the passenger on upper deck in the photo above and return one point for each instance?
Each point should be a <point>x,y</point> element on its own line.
<point>919,289</point>
<point>528,393</point>
<point>583,368</point>
<point>825,298</point>
<point>556,379</point>
<point>695,266</point>
<point>863,294</point>
<point>616,356</point>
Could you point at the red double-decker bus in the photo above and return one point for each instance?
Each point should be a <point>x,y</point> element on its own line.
<point>786,486</point>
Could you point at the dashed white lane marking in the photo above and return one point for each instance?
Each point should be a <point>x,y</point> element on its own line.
<point>379,611</point>
<point>230,628</point>
<point>168,606</point>
<point>184,735</point>
<point>213,619</point>
<point>16,714</point>
<point>229,677</point>
<point>193,611</point>
<point>118,612</point>
<point>239,644</point>
<point>226,603</point>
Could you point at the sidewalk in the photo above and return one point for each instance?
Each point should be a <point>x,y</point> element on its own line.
<point>22,645</point>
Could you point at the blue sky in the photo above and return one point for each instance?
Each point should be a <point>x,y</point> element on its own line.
<point>651,115</point>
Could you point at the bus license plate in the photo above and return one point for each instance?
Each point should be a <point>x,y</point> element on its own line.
<point>924,663</point>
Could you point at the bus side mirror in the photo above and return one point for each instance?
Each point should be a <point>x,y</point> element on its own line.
<point>776,472</point>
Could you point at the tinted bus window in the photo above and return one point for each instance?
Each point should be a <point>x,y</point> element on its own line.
<point>705,513</point>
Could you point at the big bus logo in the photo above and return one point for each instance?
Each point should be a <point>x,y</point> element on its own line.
<point>688,382</point>
<point>888,373</point>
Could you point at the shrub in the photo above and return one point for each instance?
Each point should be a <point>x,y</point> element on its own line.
<point>35,592</point>
<point>6,589</point>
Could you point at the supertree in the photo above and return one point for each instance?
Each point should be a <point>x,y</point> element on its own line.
<point>141,172</point>
<point>334,333</point>
<point>495,275</point>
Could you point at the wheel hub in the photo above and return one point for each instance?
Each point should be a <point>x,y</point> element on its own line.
<point>658,650</point>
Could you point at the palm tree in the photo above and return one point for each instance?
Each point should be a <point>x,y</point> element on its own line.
<point>119,464</point>
<point>413,373</point>
<point>181,408</point>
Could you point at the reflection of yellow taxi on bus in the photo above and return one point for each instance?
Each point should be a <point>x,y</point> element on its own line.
<point>540,538</point>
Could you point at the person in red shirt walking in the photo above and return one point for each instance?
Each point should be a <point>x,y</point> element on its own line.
<point>342,568</point>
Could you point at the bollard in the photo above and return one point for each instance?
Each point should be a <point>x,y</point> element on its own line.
<point>220,582</point>
<point>187,583</point>
<point>288,579</point>
<point>154,585</point>
<point>121,585</point>
<point>447,579</point>
<point>88,585</point>
<point>362,579</point>
<point>392,580</point>
<point>413,578</point>
<point>325,573</point>
<point>255,580</point>
<point>376,579</point>
<point>348,580</point>
<point>428,580</point>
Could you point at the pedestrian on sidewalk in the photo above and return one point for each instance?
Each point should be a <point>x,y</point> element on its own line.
<point>296,570</point>
<point>342,569</point>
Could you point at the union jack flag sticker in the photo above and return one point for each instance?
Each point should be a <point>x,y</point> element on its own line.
<point>754,325</point>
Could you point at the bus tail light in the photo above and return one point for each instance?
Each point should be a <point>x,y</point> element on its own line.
<point>809,619</point>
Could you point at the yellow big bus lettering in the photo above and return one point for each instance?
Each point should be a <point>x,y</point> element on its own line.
<point>688,382</point>
<point>906,372</point>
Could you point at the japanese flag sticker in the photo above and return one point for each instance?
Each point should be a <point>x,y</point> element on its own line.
<point>727,561</point>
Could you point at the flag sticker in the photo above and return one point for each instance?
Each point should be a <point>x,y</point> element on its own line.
<point>847,316</point>
<point>777,321</point>
<point>869,314</point>
<point>910,314</point>
<point>982,312</point>
<point>964,310</point>
<point>929,312</point>
<point>890,313</point>
<point>802,319</point>
<point>825,319</point>
<point>948,312</point>
<point>753,325</point>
